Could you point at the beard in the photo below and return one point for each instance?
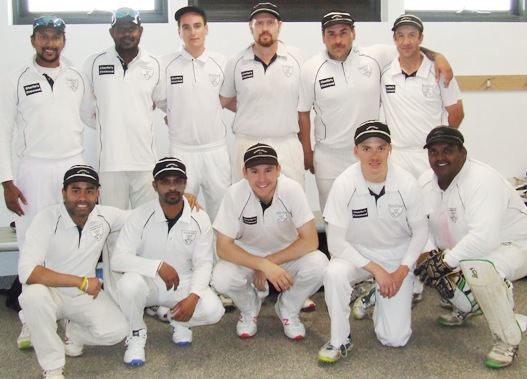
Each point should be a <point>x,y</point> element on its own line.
<point>265,42</point>
<point>173,198</point>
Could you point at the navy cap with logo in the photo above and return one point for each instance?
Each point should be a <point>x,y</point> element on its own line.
<point>81,173</point>
<point>408,19</point>
<point>126,14</point>
<point>265,8</point>
<point>334,18</point>
<point>169,167</point>
<point>446,134</point>
<point>190,9</point>
<point>260,154</point>
<point>53,22</point>
<point>370,129</point>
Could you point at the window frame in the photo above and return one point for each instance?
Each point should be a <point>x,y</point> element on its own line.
<point>516,13</point>
<point>238,11</point>
<point>22,15</point>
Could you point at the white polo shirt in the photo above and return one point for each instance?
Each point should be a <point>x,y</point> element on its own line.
<point>476,213</point>
<point>49,122</point>
<point>54,241</point>
<point>267,100</point>
<point>145,241</point>
<point>379,229</point>
<point>343,94</point>
<point>413,106</point>
<point>193,105</point>
<point>125,126</point>
<point>262,233</point>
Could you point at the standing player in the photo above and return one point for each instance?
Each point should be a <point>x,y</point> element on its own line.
<point>479,224</point>
<point>342,85</point>
<point>165,252</point>
<point>414,102</point>
<point>196,129</point>
<point>57,264</point>
<point>261,86</point>
<point>126,81</point>
<point>47,101</point>
<point>267,232</point>
<point>376,228</point>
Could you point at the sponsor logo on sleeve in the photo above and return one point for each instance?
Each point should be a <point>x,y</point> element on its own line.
<point>327,82</point>
<point>106,69</point>
<point>390,88</point>
<point>247,74</point>
<point>32,89</point>
<point>359,213</point>
<point>176,79</point>
<point>250,220</point>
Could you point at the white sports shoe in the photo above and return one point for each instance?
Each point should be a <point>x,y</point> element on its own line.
<point>160,311</point>
<point>70,348</point>
<point>57,373</point>
<point>331,354</point>
<point>181,335</point>
<point>227,303</point>
<point>457,317</point>
<point>246,326</point>
<point>293,328</point>
<point>135,348</point>
<point>501,355</point>
<point>308,306</point>
<point>24,338</point>
<point>365,303</point>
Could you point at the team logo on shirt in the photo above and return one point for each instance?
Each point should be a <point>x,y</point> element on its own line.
<point>452,213</point>
<point>390,88</point>
<point>247,74</point>
<point>395,210</point>
<point>327,82</point>
<point>176,79</point>
<point>214,79</point>
<point>32,89</point>
<point>288,70</point>
<point>365,69</point>
<point>250,220</point>
<point>73,84</point>
<point>106,69</point>
<point>281,216</point>
<point>96,231</point>
<point>428,90</point>
<point>147,71</point>
<point>359,213</point>
<point>188,236</point>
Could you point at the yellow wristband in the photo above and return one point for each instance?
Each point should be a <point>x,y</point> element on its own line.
<point>84,284</point>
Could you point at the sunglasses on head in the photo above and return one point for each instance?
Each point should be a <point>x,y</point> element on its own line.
<point>126,13</point>
<point>49,22</point>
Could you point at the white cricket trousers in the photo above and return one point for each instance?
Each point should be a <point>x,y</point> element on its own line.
<point>392,317</point>
<point>96,321</point>
<point>236,282</point>
<point>124,188</point>
<point>136,292</point>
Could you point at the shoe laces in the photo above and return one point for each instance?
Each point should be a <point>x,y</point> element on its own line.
<point>139,340</point>
<point>25,330</point>
<point>54,372</point>
<point>505,349</point>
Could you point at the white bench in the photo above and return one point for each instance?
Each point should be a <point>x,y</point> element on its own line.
<point>8,252</point>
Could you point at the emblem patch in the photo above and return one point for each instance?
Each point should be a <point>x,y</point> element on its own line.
<point>147,71</point>
<point>247,74</point>
<point>214,79</point>
<point>32,89</point>
<point>188,236</point>
<point>96,231</point>
<point>250,220</point>
<point>452,213</point>
<point>428,90</point>
<point>281,216</point>
<point>359,213</point>
<point>288,70</point>
<point>395,210</point>
<point>365,70</point>
<point>327,82</point>
<point>106,69</point>
<point>73,84</point>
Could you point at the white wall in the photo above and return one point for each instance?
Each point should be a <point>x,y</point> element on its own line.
<point>494,121</point>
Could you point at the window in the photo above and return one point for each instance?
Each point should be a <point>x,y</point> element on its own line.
<point>290,10</point>
<point>87,11</point>
<point>467,10</point>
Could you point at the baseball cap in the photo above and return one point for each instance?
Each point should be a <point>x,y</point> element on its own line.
<point>49,22</point>
<point>444,134</point>
<point>190,9</point>
<point>126,14</point>
<point>260,154</point>
<point>169,167</point>
<point>333,18</point>
<point>81,173</point>
<point>370,129</point>
<point>408,19</point>
<point>265,8</point>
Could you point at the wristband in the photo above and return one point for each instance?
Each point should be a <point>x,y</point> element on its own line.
<point>84,284</point>
<point>159,267</point>
<point>87,285</point>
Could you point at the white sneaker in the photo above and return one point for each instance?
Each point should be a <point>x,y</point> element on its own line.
<point>331,354</point>
<point>57,373</point>
<point>227,303</point>
<point>246,326</point>
<point>160,311</point>
<point>308,306</point>
<point>135,348</point>
<point>365,303</point>
<point>501,355</point>
<point>181,335</point>
<point>293,328</point>
<point>457,317</point>
<point>70,348</point>
<point>24,338</point>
